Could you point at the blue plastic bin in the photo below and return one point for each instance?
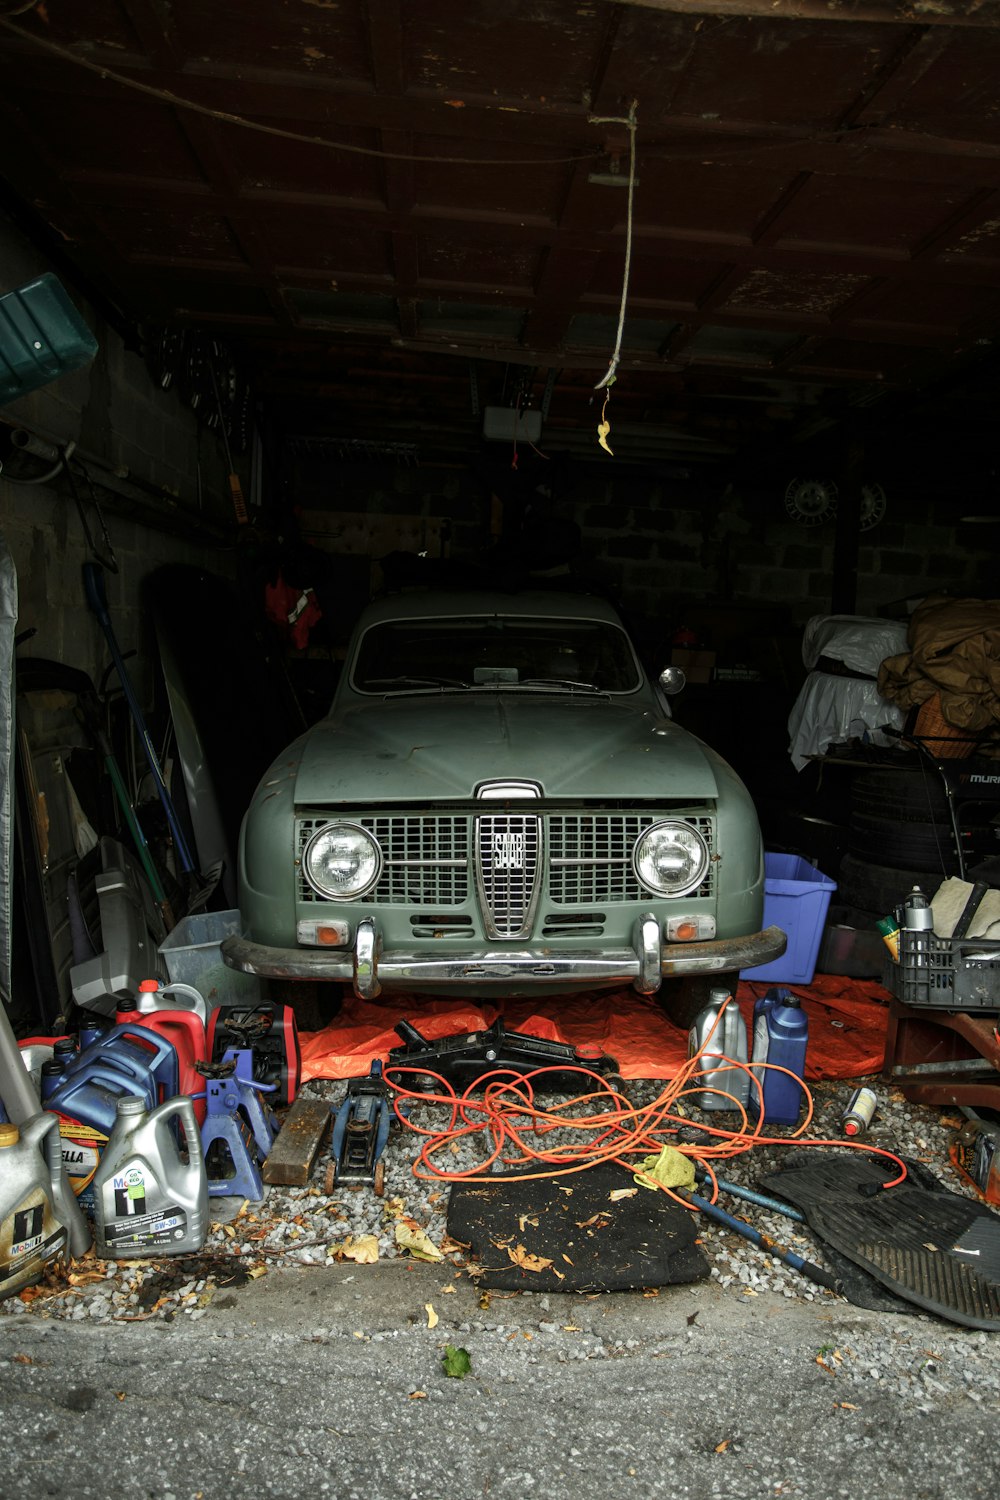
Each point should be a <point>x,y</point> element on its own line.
<point>796,899</point>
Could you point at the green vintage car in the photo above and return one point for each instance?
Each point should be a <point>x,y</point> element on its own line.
<point>499,802</point>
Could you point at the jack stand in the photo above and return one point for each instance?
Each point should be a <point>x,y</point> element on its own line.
<point>237,1118</point>
<point>360,1130</point>
<point>254,1107</point>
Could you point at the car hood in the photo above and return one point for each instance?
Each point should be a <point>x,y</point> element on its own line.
<point>406,749</point>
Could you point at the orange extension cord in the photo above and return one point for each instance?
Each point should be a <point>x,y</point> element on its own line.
<point>506,1114</point>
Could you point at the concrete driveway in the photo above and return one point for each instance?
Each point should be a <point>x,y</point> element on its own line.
<point>328,1381</point>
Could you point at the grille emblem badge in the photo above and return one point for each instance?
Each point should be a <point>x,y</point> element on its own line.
<point>508,851</point>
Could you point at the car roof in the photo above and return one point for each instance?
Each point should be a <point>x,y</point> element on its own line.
<point>420,604</point>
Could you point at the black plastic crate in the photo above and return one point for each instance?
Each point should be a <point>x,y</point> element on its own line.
<point>959,974</point>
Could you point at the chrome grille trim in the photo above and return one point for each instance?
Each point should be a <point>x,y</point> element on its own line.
<point>508,865</point>
<point>428,861</point>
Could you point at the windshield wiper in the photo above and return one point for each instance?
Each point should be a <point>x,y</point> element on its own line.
<point>405,682</point>
<point>564,684</point>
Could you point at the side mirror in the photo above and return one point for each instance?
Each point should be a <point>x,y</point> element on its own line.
<point>672,680</point>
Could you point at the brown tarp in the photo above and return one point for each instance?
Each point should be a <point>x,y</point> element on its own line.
<point>955,653</point>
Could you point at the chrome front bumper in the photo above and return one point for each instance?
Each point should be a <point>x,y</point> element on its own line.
<point>370,971</point>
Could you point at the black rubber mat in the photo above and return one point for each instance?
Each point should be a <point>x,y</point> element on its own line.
<point>593,1243</point>
<point>925,1244</point>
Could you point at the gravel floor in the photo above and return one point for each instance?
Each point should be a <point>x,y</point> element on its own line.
<point>308,1226</point>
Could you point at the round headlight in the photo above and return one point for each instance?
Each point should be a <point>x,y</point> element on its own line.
<point>671,858</point>
<point>342,861</point>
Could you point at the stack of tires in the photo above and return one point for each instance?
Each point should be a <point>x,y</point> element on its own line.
<point>900,835</point>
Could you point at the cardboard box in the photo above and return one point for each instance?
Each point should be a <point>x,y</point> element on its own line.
<point>697,666</point>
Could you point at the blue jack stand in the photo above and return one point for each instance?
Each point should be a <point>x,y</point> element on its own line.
<point>360,1130</point>
<point>236,1116</point>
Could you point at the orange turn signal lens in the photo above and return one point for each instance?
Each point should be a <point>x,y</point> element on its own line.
<point>323,934</point>
<point>688,929</point>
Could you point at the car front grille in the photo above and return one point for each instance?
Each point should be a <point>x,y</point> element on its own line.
<point>432,863</point>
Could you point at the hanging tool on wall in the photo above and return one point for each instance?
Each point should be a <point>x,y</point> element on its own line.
<point>239,504</point>
<point>93,581</point>
<point>89,714</point>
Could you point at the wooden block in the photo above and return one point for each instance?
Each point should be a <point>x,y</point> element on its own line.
<point>296,1147</point>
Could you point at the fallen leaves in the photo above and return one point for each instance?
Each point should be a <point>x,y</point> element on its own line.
<point>432,1318</point>
<point>363,1250</point>
<point>456,1363</point>
<point>617,1194</point>
<point>528,1262</point>
<point>410,1236</point>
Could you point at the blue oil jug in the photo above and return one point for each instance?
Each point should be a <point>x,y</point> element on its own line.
<point>780,1037</point>
<point>133,1052</point>
<point>127,1060</point>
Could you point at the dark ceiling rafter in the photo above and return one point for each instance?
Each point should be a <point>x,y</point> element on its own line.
<point>828,230</point>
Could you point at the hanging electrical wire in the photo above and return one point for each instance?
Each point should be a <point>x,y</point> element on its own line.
<point>630,122</point>
<point>178,101</point>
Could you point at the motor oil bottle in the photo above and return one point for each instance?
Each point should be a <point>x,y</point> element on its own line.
<point>780,1038</point>
<point>147,1199</point>
<point>724,1037</point>
<point>31,1188</point>
<point>184,1029</point>
<point>125,1060</point>
<point>153,995</point>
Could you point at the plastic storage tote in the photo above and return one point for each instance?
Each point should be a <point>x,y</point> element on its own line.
<point>42,336</point>
<point>954,974</point>
<point>192,952</point>
<point>796,899</point>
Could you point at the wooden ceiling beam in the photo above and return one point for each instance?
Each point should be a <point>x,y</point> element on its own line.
<point>895,12</point>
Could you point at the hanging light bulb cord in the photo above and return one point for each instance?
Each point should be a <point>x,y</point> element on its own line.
<point>630,123</point>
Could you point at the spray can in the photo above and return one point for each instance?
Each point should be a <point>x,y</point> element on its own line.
<point>149,1200</point>
<point>726,1043</point>
<point>860,1111</point>
<point>780,1038</point>
<point>32,1229</point>
<point>918,919</point>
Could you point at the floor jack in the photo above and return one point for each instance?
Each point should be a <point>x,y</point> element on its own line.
<point>238,1120</point>
<point>465,1057</point>
<point>360,1130</point>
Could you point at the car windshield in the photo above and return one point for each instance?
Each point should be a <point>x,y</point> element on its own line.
<point>495,652</point>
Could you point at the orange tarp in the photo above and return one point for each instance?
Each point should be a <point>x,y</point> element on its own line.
<point>847,1019</point>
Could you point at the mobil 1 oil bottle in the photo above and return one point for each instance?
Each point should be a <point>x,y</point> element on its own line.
<point>780,1038</point>
<point>719,1034</point>
<point>33,1212</point>
<point>149,1199</point>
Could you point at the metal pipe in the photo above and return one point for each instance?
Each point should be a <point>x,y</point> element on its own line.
<point>780,1252</point>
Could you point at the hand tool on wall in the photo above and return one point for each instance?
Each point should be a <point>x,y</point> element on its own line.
<point>93,580</point>
<point>239,504</point>
<point>91,718</point>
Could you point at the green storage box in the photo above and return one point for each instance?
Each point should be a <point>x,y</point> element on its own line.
<point>42,336</point>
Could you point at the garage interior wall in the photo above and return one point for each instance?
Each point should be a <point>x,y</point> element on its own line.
<point>149,459</point>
